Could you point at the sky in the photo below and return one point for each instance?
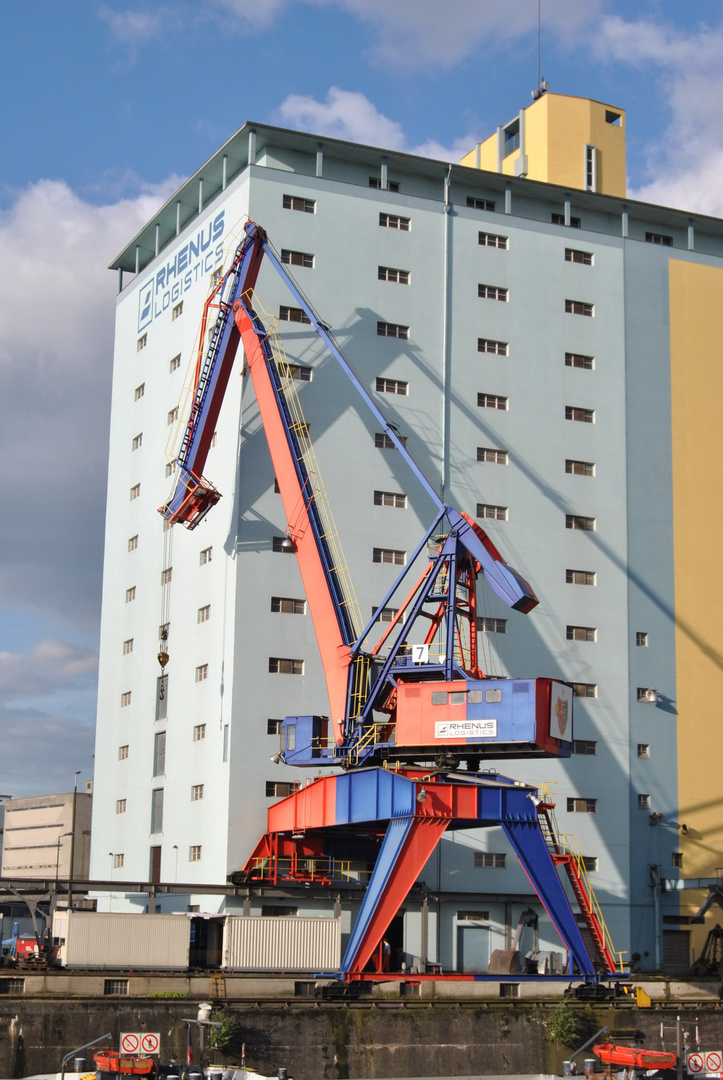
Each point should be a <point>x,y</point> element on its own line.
<point>109,106</point>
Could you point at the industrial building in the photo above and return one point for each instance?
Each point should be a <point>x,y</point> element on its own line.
<point>549,351</point>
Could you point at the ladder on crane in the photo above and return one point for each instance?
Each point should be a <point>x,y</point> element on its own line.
<point>565,852</point>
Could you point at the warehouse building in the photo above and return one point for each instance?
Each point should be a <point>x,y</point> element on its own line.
<point>551,352</point>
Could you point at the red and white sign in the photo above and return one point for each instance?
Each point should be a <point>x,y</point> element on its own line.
<point>130,1042</point>
<point>150,1042</point>
<point>713,1061</point>
<point>696,1064</point>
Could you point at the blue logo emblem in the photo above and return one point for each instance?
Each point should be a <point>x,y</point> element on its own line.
<point>145,306</point>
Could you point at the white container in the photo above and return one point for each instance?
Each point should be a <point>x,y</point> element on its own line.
<point>117,940</point>
<point>268,943</point>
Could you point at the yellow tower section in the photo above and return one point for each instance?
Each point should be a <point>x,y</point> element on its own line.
<point>696,332</point>
<point>570,141</point>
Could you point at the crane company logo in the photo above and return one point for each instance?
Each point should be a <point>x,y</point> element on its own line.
<point>194,261</point>
<point>562,712</point>
<point>465,729</point>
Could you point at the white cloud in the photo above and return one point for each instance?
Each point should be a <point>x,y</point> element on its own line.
<point>349,115</point>
<point>56,340</point>
<point>134,28</point>
<point>41,751</point>
<point>49,666</point>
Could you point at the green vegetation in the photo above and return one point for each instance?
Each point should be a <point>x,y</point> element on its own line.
<point>561,1026</point>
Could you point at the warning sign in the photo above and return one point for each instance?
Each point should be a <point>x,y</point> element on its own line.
<point>130,1042</point>
<point>150,1042</point>
<point>713,1061</point>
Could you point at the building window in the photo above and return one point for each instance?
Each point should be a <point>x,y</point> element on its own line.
<point>137,442</point>
<point>205,556</point>
<point>559,219</point>
<point>159,753</point>
<point>199,732</point>
<point>297,258</point>
<point>133,543</point>
<point>295,202</point>
<point>480,204</point>
<point>582,806</point>
<point>123,752</point>
<point>492,292</point>
<point>658,238</point>
<point>643,750</point>
<point>283,665</point>
<point>492,401</point>
<point>586,747</point>
<point>489,860</point>
<point>590,863</point>
<point>393,221</point>
<point>389,555</point>
<point>641,638</point>
<point>114,987</point>
<point>493,240</point>
<point>579,307</point>
<point>677,857</point>
<point>590,168</point>
<point>130,594</point>
<point>139,392</point>
<point>488,625</point>
<point>583,416</point>
<point>169,469</point>
<point>12,985</point>
<point>273,727</point>
<point>643,802</point>
<point>204,613</point>
<point>647,694</point>
<point>175,363</point>
<point>128,646</point>
<point>135,492</point>
<point>382,441</point>
<point>497,348</point>
<point>293,314</point>
<point>579,360</point>
<point>119,861</point>
<point>161,697</point>
<point>575,521</point>
<point>388,273</point>
<point>177,311</point>
<point>142,342</point>
<point>581,633</point>
<point>489,454</point>
<point>295,371</point>
<point>392,386</point>
<point>120,806</point>
<point>579,468</point>
<point>172,416</point>
<point>512,137</point>
<point>288,606</point>
<point>386,614</point>
<point>201,672</point>
<point>574,256</point>
<point>196,792</point>
<point>394,330</point>
<point>157,810</point>
<point>281,790</point>
<point>283,544</point>
<point>166,575</point>
<point>194,853</point>
<point>125,699</point>
<point>494,513</point>
<point>375,182</point>
<point>584,689</point>
<point>390,498</point>
<point>580,577</point>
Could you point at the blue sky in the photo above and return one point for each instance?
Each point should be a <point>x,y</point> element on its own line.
<point>109,105</point>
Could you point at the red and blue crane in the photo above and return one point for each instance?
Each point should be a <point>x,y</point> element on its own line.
<point>417,699</point>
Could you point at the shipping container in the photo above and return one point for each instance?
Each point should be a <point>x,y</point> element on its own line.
<point>91,939</point>
<point>270,943</point>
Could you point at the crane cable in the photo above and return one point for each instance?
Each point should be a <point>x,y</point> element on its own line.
<point>165,606</point>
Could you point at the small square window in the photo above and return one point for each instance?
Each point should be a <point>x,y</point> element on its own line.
<point>576,521</point>
<point>125,699</point>
<point>583,416</point>
<point>579,360</point>
<point>282,665</point>
<point>581,633</point>
<point>677,857</point>
<point>579,468</point>
<point>590,863</point>
<point>382,441</point>
<point>491,512</point>
<point>133,543</point>
<point>641,638</point>
<point>647,694</point>
<point>137,441</point>
<point>491,455</point>
<point>297,258</point>
<point>173,415</point>
<point>273,727</point>
<point>582,806</point>
<point>390,498</point>
<point>584,689</point>
<point>139,391</point>
<point>580,577</point>
<point>575,256</point>
<point>643,802</point>
<point>389,555</point>
<point>579,307</point>
<point>204,613</point>
<point>288,605</point>
<point>166,575</point>
<point>386,614</point>
<point>480,204</point>
<point>128,646</point>
<point>392,386</point>
<point>493,240</point>
<point>559,219</point>
<point>393,330</point>
<point>394,221</point>
<point>119,861</point>
<point>490,625</point>
<point>169,471</point>
<point>643,750</point>
<point>130,594</point>
<point>142,342</point>
<point>295,202</point>
<point>194,853</point>
<point>177,311</point>
<point>389,273</point>
<point>492,401</point>
<point>586,747</point>
<point>196,792</point>
<point>199,732</point>
<point>490,860</point>
<point>120,806</point>
<point>497,348</point>
<point>135,492</point>
<point>492,292</point>
<point>115,987</point>
<point>201,672</point>
<point>123,752</point>
<point>205,556</point>
<point>175,363</point>
<point>293,314</point>
<point>658,238</point>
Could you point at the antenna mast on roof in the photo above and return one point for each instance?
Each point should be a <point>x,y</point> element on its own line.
<point>542,85</point>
